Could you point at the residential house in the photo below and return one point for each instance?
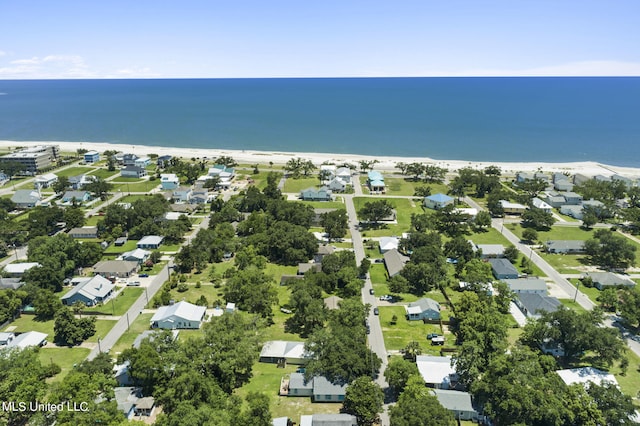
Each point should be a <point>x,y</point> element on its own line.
<point>602,178</point>
<point>586,375</point>
<point>524,176</point>
<point>169,181</point>
<point>437,201</point>
<point>527,285</point>
<point>10,283</point>
<point>579,178</point>
<point>150,242</point>
<point>77,182</point>
<point>627,181</point>
<point>180,315</point>
<point>388,243</point>
<point>563,185</point>
<point>91,157</point>
<point>26,198</point>
<point>6,338</point>
<point>142,162</point>
<point>182,194</point>
<point>489,251</point>
<point>512,208</point>
<point>344,174</point>
<point>182,208</point>
<point>503,269</point>
<point>276,351</point>
<point>327,172</point>
<point>538,203</point>
<point>437,371</point>
<point>129,159</point>
<point>564,246</point>
<point>533,304</point>
<point>572,198</point>
<point>84,232</point>
<point>120,241</point>
<point>542,176</point>
<point>224,174</point>
<point>200,196</point>
<point>80,197</point>
<point>28,339</point>
<point>129,401</point>
<point>337,185</point>
<point>394,261</point>
<point>16,270</point>
<point>574,211</point>
<point>304,267</point>
<point>3,178</point>
<point>163,160</point>
<point>133,171</point>
<point>45,181</point>
<point>602,280</point>
<point>332,302</point>
<point>90,292</point>
<point>422,309</point>
<point>323,250</point>
<point>172,215</point>
<point>318,388</point>
<point>469,211</point>
<point>328,420</point>
<point>457,402</point>
<point>555,199</point>
<point>313,194</point>
<point>137,255</point>
<point>116,268</point>
<point>375,181</point>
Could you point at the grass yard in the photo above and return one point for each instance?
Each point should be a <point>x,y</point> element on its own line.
<point>170,248</point>
<point>128,246</point>
<point>28,323</point>
<point>513,334</point>
<point>569,303</point>
<point>260,180</point>
<point>491,236</point>
<point>266,380</point>
<point>398,336</point>
<point>591,292</point>
<point>193,294</point>
<point>131,198</point>
<point>556,232</point>
<point>378,275</point>
<point>138,326</point>
<point>92,220</point>
<point>630,381</point>
<point>103,173</point>
<point>564,263</point>
<point>73,171</point>
<point>324,204</point>
<point>403,210</point>
<point>138,186</point>
<point>120,304</point>
<point>66,358</point>
<point>297,185</point>
<point>102,328</point>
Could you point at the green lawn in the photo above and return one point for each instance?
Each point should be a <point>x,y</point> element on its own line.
<point>171,248</point>
<point>28,323</point>
<point>102,328</point>
<point>629,382</point>
<point>137,186</point>
<point>127,179</point>
<point>66,358</point>
<point>74,171</point>
<point>120,304</point>
<point>556,232</point>
<point>406,186</point>
<point>403,210</point>
<point>260,180</point>
<point>491,236</point>
<point>591,292</point>
<point>131,198</point>
<point>128,246</point>
<point>103,173</point>
<point>138,326</point>
<point>398,336</point>
<point>297,185</point>
<point>564,263</point>
<point>324,204</point>
<point>569,303</point>
<point>193,294</point>
<point>92,220</point>
<point>513,334</point>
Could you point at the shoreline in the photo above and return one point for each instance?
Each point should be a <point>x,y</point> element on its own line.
<point>385,163</point>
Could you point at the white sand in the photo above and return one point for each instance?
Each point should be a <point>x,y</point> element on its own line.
<point>589,168</point>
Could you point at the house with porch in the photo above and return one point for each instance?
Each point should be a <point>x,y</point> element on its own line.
<point>437,201</point>
<point>169,181</point>
<point>152,242</point>
<point>84,232</point>
<point>90,292</point>
<point>26,198</point>
<point>313,194</point>
<point>77,182</point>
<point>17,270</point>
<point>512,208</point>
<point>564,246</point>
<point>91,157</point>
<point>602,280</point>
<point>80,197</point>
<point>344,174</point>
<point>318,388</point>
<point>337,185</point>
<point>182,194</point>
<point>116,268</point>
<point>276,351</point>
<point>182,315</point>
<point>45,180</point>
<point>133,171</point>
<point>136,255</point>
<point>142,162</point>
<point>422,309</point>
<point>375,181</point>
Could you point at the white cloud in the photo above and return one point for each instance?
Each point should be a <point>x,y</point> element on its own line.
<point>571,69</point>
<point>33,61</point>
<point>48,67</point>
<point>2,53</point>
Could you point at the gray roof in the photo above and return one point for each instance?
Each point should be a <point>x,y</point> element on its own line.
<point>394,261</point>
<point>526,284</point>
<point>535,303</point>
<point>85,230</point>
<point>95,287</point>
<point>503,267</point>
<point>135,169</point>
<point>454,400</point>
<point>322,386</point>
<point>332,302</point>
<point>328,420</point>
<point>78,195</point>
<point>609,279</point>
<point>297,381</point>
<point>151,239</point>
<point>491,249</point>
<point>25,196</point>
<point>304,267</point>
<point>115,266</point>
<point>11,283</point>
<point>573,245</point>
<point>426,304</point>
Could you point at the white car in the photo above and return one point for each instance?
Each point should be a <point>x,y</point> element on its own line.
<point>386,298</point>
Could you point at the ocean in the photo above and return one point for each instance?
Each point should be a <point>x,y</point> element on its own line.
<point>544,119</point>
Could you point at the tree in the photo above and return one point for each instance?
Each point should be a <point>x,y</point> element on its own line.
<point>482,220</point>
<point>417,406</point>
<point>412,351</point>
<point>363,398</point>
<point>617,408</point>
<point>12,168</point>
<point>416,170</point>
<point>257,412</point>
<point>71,331</point>
<point>608,298</point>
<point>630,306</point>
<point>589,217</point>
<point>335,224</point>
<point>294,167</point>
<point>74,217</point>
<point>399,284</point>
<point>226,161</point>
<point>398,373</point>
<point>364,267</point>
<point>99,188</point>
<point>307,167</point>
<point>530,235</point>
<point>81,151</point>
<point>252,290</point>
<point>609,250</point>
<point>531,187</point>
<point>537,218</point>
<point>511,253</point>
<point>367,164</point>
<point>375,211</point>
<point>10,303</point>
<point>61,184</point>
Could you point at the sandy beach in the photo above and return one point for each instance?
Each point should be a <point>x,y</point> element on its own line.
<point>385,163</point>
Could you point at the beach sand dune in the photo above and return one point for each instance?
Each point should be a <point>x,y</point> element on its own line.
<point>385,163</point>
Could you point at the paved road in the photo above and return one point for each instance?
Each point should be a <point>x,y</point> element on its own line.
<point>376,340</point>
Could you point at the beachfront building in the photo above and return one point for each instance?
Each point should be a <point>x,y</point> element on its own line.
<point>26,198</point>
<point>36,158</point>
<point>437,201</point>
<point>142,162</point>
<point>45,180</point>
<point>163,161</point>
<point>224,174</point>
<point>91,157</point>
<point>169,181</point>
<point>375,181</point>
<point>129,159</point>
<point>133,171</point>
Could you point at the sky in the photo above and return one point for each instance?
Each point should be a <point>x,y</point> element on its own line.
<point>45,39</point>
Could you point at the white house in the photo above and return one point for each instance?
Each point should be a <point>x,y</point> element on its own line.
<point>388,243</point>
<point>538,203</point>
<point>150,242</point>
<point>512,208</point>
<point>527,285</point>
<point>180,315</point>
<point>584,375</point>
<point>142,162</point>
<point>30,338</point>
<point>18,269</point>
<point>45,181</point>
<point>437,371</point>
<point>136,255</point>
<point>169,181</point>
<point>437,201</point>
<point>274,351</point>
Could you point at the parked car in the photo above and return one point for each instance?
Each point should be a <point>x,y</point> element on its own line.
<point>437,340</point>
<point>133,283</point>
<point>386,298</point>
<point>432,335</point>
<point>143,275</point>
<point>371,291</point>
<point>376,311</point>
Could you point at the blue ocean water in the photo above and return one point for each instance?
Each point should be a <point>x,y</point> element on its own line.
<point>476,119</point>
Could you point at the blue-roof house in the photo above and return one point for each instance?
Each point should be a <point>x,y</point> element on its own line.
<point>437,201</point>
<point>375,180</point>
<point>91,157</point>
